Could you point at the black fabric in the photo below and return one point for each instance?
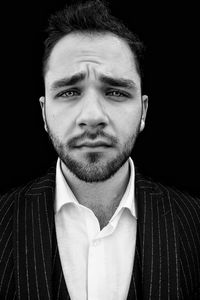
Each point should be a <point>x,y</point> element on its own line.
<point>58,282</point>
<point>167,256</point>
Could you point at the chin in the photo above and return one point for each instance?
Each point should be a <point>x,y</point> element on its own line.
<point>95,167</point>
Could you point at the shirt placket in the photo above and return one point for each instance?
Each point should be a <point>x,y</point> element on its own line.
<point>95,265</point>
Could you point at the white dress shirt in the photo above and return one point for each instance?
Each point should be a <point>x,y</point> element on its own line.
<point>97,264</point>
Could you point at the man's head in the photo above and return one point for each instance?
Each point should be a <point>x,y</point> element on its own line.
<point>89,17</point>
<point>93,107</point>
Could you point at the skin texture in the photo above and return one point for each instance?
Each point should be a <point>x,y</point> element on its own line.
<point>93,123</point>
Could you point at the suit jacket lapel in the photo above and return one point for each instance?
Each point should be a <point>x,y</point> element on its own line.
<point>157,241</point>
<point>135,290</point>
<point>33,232</point>
<point>59,288</point>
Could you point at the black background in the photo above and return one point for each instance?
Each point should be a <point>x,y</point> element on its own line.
<point>168,149</point>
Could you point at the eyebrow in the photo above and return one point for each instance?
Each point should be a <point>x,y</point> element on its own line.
<point>68,81</point>
<point>118,82</point>
<point>76,78</point>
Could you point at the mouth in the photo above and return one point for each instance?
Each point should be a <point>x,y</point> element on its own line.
<point>97,144</point>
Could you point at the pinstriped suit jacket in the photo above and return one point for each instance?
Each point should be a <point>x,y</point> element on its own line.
<point>167,258</point>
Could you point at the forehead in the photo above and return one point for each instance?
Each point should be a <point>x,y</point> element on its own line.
<point>95,54</point>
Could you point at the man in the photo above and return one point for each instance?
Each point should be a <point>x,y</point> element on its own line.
<point>93,227</point>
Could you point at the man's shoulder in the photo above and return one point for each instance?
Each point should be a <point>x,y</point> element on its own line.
<point>36,185</point>
<point>185,203</point>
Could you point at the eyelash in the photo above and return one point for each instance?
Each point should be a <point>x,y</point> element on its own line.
<point>62,94</point>
<point>120,93</point>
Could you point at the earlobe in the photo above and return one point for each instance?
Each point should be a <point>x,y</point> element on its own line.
<point>142,125</point>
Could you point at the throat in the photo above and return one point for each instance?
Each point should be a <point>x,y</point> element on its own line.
<point>103,214</point>
<point>103,220</point>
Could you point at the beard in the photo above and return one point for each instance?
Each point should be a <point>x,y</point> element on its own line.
<point>93,166</point>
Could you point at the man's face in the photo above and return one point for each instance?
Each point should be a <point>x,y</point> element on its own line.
<point>93,106</point>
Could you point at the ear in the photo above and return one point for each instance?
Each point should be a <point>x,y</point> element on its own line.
<point>42,103</point>
<point>145,101</point>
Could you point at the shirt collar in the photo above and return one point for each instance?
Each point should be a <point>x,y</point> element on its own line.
<point>128,199</point>
<point>65,195</point>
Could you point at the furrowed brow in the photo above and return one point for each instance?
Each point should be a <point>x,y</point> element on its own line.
<point>118,82</point>
<point>76,78</point>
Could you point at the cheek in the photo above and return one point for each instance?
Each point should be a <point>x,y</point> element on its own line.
<point>58,121</point>
<point>126,120</point>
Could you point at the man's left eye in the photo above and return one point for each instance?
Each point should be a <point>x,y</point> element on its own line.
<point>116,93</point>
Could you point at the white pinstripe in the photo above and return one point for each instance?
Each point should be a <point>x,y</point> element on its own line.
<point>8,287</point>
<point>45,203</point>
<point>143,248</point>
<point>17,243</point>
<point>39,220</point>
<point>2,278</point>
<point>2,200</point>
<point>191,252</point>
<point>166,231</point>
<point>26,251</point>
<point>188,264</point>
<point>9,221</point>
<point>8,209</point>
<point>184,277</point>
<point>4,250</point>
<point>35,267</point>
<point>160,257</point>
<point>54,258</point>
<point>58,294</point>
<point>191,231</point>
<point>152,249</point>
<point>175,245</point>
<point>135,290</point>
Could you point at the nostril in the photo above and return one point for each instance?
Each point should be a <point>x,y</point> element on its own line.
<point>100,125</point>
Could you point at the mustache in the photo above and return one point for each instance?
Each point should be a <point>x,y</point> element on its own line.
<point>92,136</point>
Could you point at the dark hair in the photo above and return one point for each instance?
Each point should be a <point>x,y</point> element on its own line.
<point>90,17</point>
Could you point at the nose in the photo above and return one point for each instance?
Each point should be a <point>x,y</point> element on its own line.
<point>92,114</point>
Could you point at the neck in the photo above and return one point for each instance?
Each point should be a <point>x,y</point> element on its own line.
<point>102,197</point>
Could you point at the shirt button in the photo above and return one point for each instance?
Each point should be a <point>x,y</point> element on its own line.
<point>95,243</point>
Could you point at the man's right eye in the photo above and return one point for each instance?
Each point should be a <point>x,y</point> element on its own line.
<point>68,94</point>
